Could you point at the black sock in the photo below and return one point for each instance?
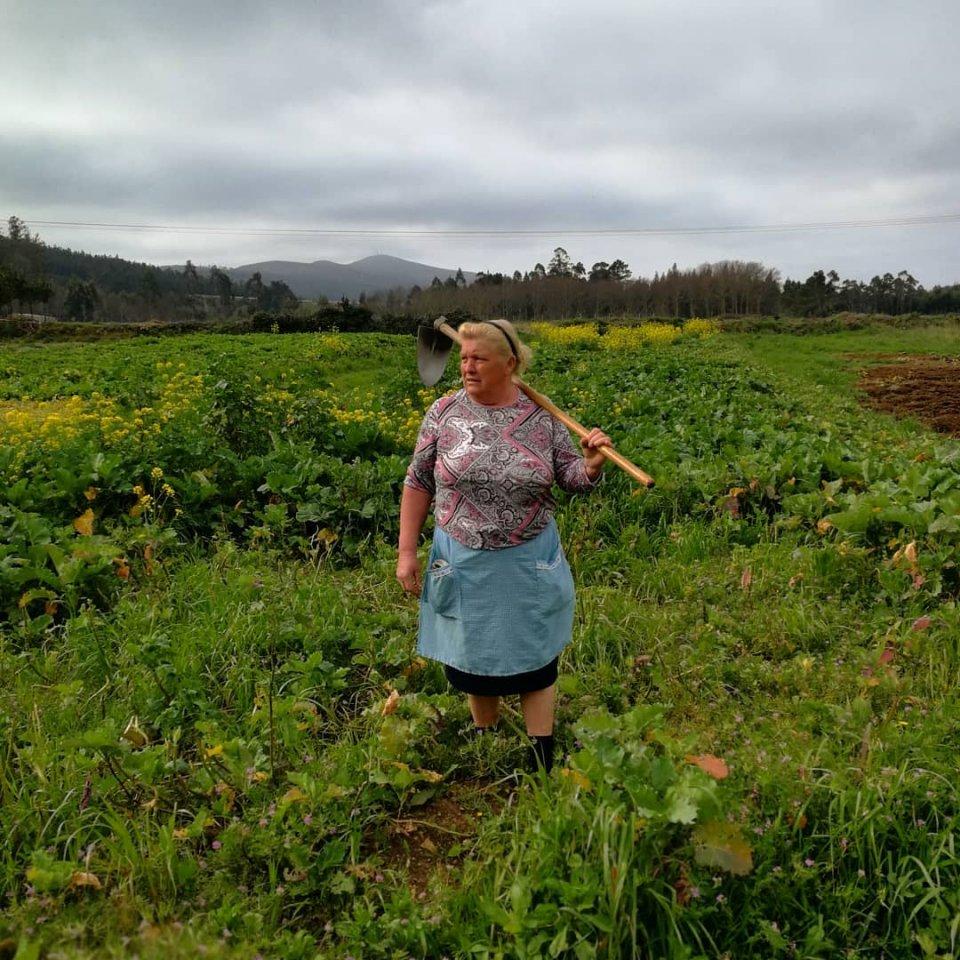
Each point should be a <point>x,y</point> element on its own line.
<point>541,752</point>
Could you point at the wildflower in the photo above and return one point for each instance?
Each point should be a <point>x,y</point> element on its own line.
<point>698,327</point>
<point>861,873</point>
<point>721,898</point>
<point>216,844</point>
<point>809,863</point>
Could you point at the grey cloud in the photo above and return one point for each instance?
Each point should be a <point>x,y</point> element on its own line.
<point>370,191</point>
<point>496,115</point>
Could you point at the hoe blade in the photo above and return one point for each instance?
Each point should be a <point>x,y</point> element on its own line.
<point>433,348</point>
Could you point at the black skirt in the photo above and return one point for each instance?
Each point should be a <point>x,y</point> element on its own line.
<point>485,686</point>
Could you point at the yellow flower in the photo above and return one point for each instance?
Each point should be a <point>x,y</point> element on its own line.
<point>699,327</point>
<point>580,333</point>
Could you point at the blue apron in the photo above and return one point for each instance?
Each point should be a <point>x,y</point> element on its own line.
<point>496,612</point>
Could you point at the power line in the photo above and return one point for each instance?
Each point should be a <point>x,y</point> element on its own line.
<point>507,232</point>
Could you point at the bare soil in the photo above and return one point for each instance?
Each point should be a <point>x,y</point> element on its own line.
<point>924,387</point>
<point>439,835</point>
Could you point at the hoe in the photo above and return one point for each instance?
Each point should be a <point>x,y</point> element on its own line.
<point>434,344</point>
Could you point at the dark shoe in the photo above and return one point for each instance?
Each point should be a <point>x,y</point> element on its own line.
<point>541,753</point>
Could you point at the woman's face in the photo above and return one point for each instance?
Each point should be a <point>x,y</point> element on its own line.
<point>486,373</point>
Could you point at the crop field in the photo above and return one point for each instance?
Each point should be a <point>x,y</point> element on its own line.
<point>216,738</point>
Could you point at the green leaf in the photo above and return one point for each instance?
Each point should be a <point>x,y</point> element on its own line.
<point>342,883</point>
<point>945,523</point>
<point>681,806</point>
<point>105,739</point>
<point>47,875</point>
<point>559,943</point>
<point>719,843</point>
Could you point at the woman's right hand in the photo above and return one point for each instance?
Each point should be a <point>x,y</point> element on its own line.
<point>408,573</point>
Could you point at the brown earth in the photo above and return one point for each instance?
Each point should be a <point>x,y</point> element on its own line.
<point>438,835</point>
<point>924,387</point>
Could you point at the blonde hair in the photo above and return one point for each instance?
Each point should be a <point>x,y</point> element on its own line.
<point>499,334</point>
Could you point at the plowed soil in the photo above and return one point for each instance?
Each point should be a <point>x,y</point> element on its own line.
<point>927,388</point>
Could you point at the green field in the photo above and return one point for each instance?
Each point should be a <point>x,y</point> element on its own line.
<point>200,752</point>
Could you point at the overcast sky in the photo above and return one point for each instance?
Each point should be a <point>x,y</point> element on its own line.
<point>612,114</point>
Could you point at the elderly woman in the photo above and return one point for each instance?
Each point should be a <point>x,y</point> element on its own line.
<point>497,602</point>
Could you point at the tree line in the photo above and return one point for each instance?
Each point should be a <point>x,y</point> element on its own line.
<point>54,281</point>
<point>730,288</point>
<point>36,278</point>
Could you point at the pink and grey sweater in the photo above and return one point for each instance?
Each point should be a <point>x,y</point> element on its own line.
<point>490,469</point>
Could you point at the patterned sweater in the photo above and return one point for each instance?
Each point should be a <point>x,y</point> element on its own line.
<point>490,469</point>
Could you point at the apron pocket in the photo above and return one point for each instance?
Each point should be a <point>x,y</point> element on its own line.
<point>443,589</point>
<point>554,584</point>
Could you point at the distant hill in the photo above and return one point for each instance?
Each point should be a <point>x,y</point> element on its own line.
<point>335,280</point>
<point>308,280</point>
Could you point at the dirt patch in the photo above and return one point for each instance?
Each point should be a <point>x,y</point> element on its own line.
<point>438,835</point>
<point>878,357</point>
<point>927,388</point>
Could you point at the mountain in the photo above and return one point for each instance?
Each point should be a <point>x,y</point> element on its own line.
<point>335,280</point>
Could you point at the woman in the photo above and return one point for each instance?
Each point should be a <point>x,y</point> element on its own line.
<point>497,602</point>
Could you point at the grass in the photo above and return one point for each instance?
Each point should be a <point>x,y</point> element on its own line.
<point>273,809</point>
<point>833,360</point>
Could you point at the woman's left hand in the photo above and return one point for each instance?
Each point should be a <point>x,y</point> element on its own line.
<point>592,457</point>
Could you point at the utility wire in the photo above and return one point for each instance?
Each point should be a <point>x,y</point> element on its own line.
<point>562,232</point>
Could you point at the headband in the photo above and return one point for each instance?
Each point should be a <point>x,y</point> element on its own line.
<point>513,348</point>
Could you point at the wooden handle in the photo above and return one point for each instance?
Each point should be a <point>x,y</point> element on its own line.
<point>581,431</point>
